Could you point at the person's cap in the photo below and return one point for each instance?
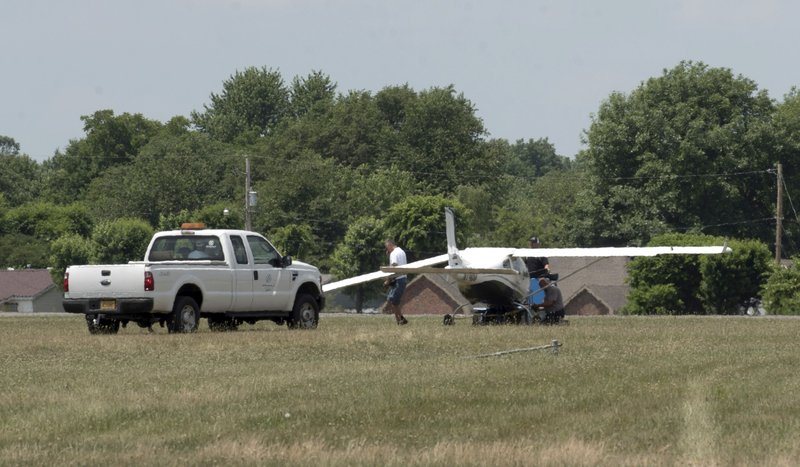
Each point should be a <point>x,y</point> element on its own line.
<point>534,239</point>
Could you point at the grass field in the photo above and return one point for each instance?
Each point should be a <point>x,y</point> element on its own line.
<point>362,391</point>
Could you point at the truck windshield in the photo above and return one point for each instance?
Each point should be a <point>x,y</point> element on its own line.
<point>186,247</point>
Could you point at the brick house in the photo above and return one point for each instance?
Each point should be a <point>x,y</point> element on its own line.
<point>429,294</point>
<point>592,286</point>
<point>29,291</point>
<point>597,300</point>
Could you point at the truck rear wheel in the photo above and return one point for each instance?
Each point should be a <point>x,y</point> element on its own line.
<point>99,325</point>
<point>305,314</point>
<point>185,315</point>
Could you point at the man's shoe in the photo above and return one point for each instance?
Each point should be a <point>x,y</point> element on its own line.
<point>403,321</point>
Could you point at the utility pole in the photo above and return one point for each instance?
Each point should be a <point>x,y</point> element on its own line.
<point>248,225</point>
<point>779,215</point>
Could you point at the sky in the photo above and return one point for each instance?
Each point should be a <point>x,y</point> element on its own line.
<point>531,68</point>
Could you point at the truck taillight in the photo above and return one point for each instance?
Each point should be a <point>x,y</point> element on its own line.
<point>149,282</point>
<point>66,282</point>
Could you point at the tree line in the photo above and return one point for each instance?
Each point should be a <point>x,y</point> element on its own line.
<point>691,152</point>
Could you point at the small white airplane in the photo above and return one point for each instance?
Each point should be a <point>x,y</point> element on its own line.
<point>498,277</point>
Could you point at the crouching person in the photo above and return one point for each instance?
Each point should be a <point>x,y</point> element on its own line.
<point>552,309</point>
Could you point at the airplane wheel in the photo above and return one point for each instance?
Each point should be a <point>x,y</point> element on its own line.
<point>449,320</point>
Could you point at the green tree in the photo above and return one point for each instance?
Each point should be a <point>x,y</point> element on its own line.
<point>214,216</point>
<point>657,159</point>
<point>352,135</point>
<point>534,158</point>
<point>417,224</point>
<point>110,141</point>
<point>786,129</point>
<point>312,95</point>
<point>20,251</point>
<point>373,192</point>
<point>252,103</point>
<point>120,240</point>
<point>394,102</point>
<point>442,137</point>
<point>47,221</point>
<point>8,146</point>
<point>297,240</point>
<point>302,188</point>
<point>179,171</point>
<point>361,251</point>
<point>20,176</point>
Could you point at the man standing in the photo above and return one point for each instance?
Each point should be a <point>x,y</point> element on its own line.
<point>537,266</point>
<point>396,284</point>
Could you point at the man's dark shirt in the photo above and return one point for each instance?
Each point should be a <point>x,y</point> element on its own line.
<point>536,266</point>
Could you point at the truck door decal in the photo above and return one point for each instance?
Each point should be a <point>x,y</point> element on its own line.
<point>269,281</point>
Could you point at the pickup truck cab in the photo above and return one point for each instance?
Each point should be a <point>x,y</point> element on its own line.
<point>226,276</point>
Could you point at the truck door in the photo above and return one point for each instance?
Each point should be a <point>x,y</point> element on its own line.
<point>272,286</point>
<point>244,277</point>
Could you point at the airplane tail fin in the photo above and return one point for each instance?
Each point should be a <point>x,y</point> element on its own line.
<point>453,260</point>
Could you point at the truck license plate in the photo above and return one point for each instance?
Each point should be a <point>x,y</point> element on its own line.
<point>108,305</point>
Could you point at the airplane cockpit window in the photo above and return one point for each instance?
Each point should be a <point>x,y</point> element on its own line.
<point>263,252</point>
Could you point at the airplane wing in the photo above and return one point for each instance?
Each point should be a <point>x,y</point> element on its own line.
<point>433,270</point>
<point>381,274</point>
<point>621,251</point>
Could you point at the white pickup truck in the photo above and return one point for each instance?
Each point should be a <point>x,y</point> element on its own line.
<point>226,276</point>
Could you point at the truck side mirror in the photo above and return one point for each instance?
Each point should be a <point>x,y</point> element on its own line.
<point>286,261</point>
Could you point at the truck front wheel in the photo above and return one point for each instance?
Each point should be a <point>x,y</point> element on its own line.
<point>185,315</point>
<point>305,314</point>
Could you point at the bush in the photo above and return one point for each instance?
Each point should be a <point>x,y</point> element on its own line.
<point>709,284</point>
<point>121,240</point>
<point>66,251</point>
<point>659,299</point>
<point>781,293</point>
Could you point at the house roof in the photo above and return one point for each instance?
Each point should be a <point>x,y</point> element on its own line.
<point>613,296</point>
<point>576,272</point>
<point>439,281</point>
<point>24,283</point>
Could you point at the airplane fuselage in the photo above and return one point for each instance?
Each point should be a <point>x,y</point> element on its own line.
<point>492,288</point>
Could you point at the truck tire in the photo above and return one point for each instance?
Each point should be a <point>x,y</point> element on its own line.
<point>305,313</point>
<point>98,325</point>
<point>185,316</point>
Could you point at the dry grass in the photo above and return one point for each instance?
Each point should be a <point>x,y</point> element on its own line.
<point>362,391</point>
